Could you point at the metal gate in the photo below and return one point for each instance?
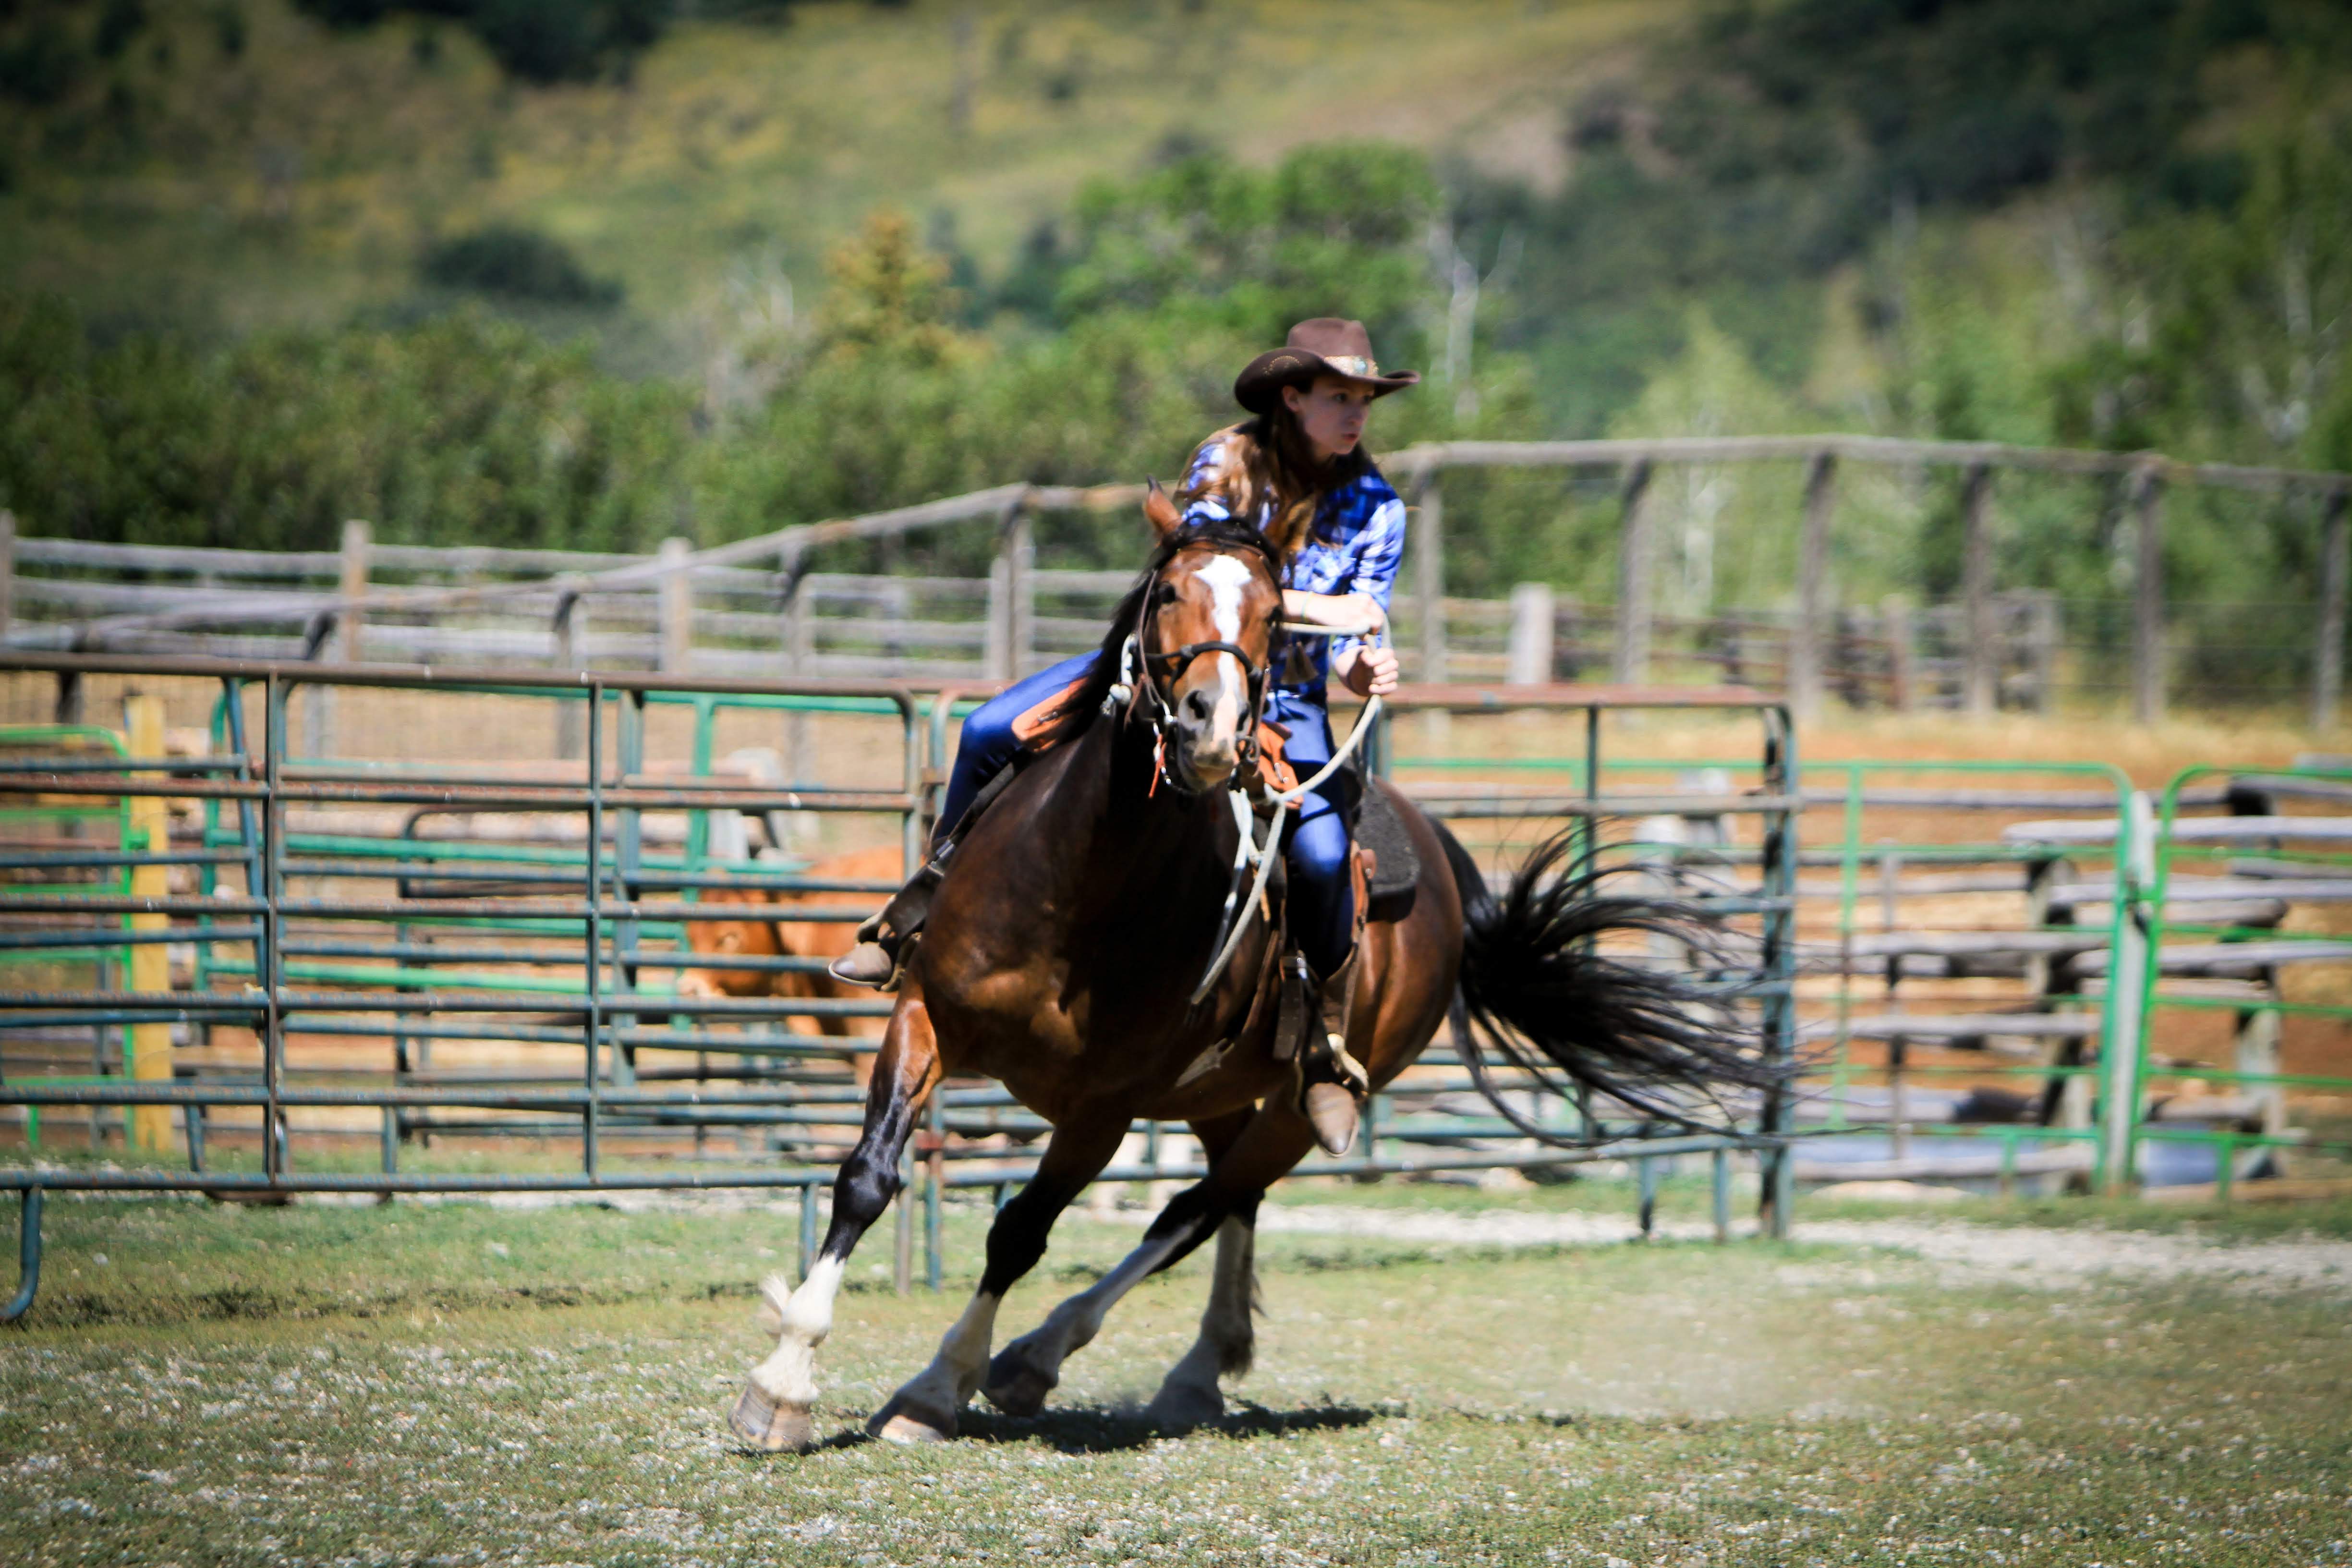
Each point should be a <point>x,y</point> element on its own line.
<point>334,959</point>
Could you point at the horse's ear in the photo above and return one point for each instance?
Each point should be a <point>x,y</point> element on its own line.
<point>1160,512</point>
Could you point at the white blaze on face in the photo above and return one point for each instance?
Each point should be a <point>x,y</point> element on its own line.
<point>1228,579</point>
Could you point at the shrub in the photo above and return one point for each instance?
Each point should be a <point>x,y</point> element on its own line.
<point>518,264</point>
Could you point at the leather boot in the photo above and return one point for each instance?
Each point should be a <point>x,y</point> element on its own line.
<point>878,959</point>
<point>1335,1082</point>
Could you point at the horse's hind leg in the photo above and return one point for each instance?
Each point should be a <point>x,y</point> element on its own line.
<point>1189,1396</point>
<point>774,1412</point>
<point>925,1409</point>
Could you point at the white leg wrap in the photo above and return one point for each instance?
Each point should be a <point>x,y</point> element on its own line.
<point>806,1317</point>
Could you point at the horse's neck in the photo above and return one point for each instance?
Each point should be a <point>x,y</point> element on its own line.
<point>1121,843</point>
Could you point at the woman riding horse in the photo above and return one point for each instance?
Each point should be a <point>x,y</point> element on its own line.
<point>1297,471</point>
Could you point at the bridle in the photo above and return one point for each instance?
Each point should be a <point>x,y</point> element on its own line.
<point>1149,678</point>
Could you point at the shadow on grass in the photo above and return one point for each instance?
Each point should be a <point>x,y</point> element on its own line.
<point>1109,1429</point>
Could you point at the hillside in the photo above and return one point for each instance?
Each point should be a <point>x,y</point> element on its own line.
<point>747,262</point>
<point>297,175</point>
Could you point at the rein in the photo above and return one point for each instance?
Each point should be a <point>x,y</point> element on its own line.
<point>1234,920</point>
<point>1142,673</point>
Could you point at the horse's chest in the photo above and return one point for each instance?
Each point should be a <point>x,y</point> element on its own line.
<point>1051,1035</point>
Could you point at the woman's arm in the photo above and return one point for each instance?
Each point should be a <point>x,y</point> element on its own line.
<point>1344,612</point>
<point>1363,668</point>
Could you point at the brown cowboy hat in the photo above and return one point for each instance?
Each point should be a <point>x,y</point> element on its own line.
<point>1324,346</point>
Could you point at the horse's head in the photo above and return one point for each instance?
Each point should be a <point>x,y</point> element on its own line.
<point>1205,636</point>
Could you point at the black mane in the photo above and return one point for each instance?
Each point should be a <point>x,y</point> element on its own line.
<point>1084,706</point>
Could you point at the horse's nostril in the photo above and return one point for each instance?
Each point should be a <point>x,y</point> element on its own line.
<point>1196,707</point>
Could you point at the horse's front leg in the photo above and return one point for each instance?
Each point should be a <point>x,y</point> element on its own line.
<point>774,1412</point>
<point>924,1410</point>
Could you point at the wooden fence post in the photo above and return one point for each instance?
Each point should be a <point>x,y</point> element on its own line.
<point>800,661</point>
<point>997,657</point>
<point>1531,635</point>
<point>1006,573</point>
<point>343,625</point>
<point>2042,641</point>
<point>151,966</point>
<point>2148,594</point>
<point>1980,661</point>
<point>350,587</point>
<point>1813,584</point>
<point>1019,592</point>
<point>2328,665</point>
<point>7,572</point>
<point>571,656</point>
<point>1630,666</point>
<point>1902,656</point>
<point>676,605</point>
<point>1567,638</point>
<point>1429,574</point>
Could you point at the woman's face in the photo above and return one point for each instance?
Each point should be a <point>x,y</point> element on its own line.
<point>1331,413</point>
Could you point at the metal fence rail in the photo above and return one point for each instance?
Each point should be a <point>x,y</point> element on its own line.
<point>2219,946</point>
<point>259,947</point>
<point>270,967</point>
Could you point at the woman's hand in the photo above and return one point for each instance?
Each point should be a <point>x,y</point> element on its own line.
<point>1366,670</point>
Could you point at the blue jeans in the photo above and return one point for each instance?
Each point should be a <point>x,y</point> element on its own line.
<point>1322,898</point>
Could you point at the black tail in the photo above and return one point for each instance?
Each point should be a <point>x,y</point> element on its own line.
<point>1553,1005</point>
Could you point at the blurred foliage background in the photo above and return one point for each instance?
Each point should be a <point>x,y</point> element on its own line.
<point>587,275</point>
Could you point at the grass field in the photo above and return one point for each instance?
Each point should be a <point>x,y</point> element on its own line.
<point>461,1383</point>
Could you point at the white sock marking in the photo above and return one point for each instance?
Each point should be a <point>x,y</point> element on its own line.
<point>943,1388</point>
<point>1190,1390</point>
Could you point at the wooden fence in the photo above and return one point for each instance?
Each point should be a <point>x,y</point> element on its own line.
<point>757,607</point>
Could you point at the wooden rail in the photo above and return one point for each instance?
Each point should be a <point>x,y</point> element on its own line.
<point>756,603</point>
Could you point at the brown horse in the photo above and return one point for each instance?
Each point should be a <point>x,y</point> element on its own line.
<point>1080,912</point>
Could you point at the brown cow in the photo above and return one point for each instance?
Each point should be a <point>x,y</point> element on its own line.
<point>753,937</point>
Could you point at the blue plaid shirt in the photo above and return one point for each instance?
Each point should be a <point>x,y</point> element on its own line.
<point>1354,546</point>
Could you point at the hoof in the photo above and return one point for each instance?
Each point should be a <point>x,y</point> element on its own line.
<point>1181,1409</point>
<point>904,1428</point>
<point>1015,1387</point>
<point>906,1420</point>
<point>780,1428</point>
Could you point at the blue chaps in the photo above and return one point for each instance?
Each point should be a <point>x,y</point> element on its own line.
<point>1322,899</point>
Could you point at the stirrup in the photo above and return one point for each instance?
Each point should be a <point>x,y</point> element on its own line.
<point>887,935</point>
<point>1332,1083</point>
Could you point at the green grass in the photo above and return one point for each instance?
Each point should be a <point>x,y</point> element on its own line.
<point>459,1383</point>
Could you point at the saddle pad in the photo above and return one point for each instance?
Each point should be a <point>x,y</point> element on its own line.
<point>1380,829</point>
<point>1028,723</point>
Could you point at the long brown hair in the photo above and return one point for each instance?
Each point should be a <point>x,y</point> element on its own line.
<point>1269,459</point>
